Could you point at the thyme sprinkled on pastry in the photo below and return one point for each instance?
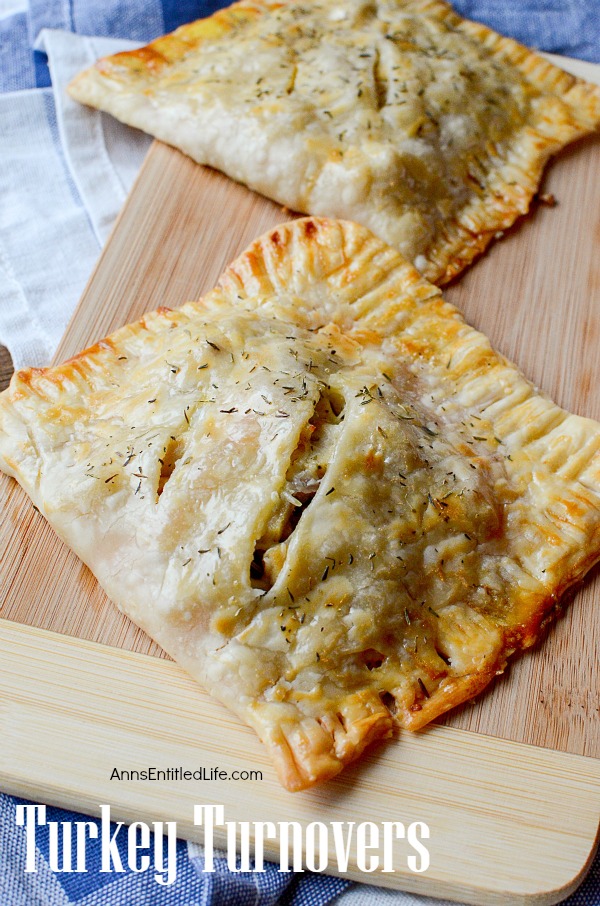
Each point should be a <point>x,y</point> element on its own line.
<point>430,130</point>
<point>320,490</point>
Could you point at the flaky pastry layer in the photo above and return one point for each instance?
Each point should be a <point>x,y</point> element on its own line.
<point>430,130</point>
<point>325,494</point>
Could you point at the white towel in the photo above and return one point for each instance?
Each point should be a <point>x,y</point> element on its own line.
<point>65,175</point>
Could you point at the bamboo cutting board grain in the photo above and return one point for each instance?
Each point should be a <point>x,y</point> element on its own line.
<point>511,786</point>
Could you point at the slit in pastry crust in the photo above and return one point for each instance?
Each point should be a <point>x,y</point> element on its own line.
<point>318,488</point>
<point>430,130</point>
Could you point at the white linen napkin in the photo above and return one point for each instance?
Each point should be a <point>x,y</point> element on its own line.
<point>66,173</point>
<point>102,155</point>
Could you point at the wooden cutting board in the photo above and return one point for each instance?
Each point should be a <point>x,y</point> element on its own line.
<point>510,785</point>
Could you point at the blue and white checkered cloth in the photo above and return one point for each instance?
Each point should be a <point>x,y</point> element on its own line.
<point>53,221</point>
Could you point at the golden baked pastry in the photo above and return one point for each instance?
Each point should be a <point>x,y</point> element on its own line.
<point>320,490</point>
<point>430,130</point>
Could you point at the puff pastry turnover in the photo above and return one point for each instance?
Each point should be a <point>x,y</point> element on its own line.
<point>318,488</point>
<point>430,130</point>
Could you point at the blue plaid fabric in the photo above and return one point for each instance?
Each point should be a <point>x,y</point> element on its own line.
<point>569,27</point>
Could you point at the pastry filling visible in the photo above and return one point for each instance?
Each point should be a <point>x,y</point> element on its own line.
<point>318,488</point>
<point>173,451</point>
<point>308,466</point>
<point>379,567</point>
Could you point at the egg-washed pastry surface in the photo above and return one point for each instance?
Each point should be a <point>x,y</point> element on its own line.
<point>430,130</point>
<point>318,488</point>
